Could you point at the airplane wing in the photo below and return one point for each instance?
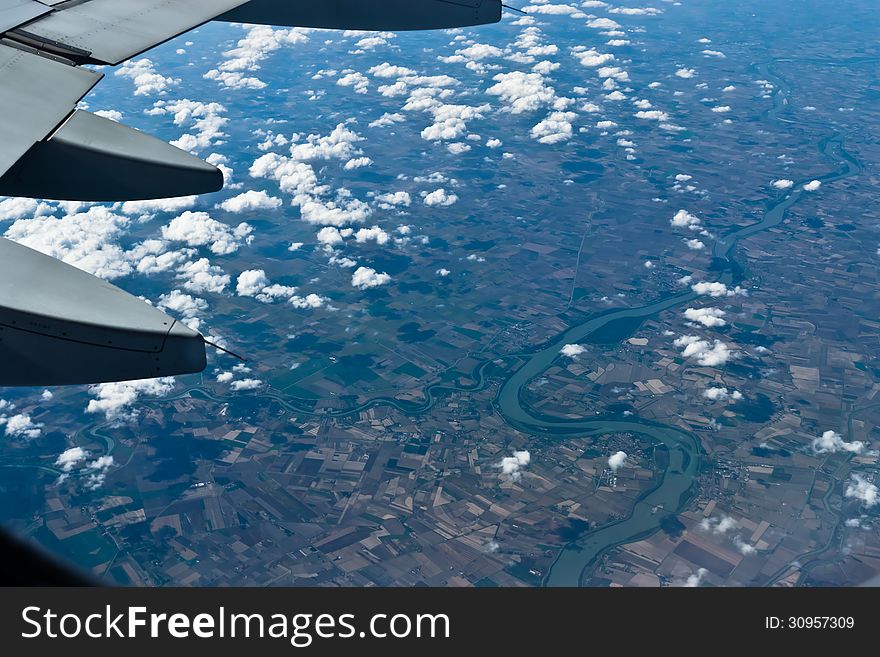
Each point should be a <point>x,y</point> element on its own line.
<point>112,31</point>
<point>49,149</point>
<point>62,326</point>
<point>59,325</point>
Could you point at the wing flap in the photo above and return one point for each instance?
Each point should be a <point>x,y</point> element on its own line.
<point>18,12</point>
<point>36,95</point>
<point>116,30</point>
<point>369,14</point>
<point>62,326</point>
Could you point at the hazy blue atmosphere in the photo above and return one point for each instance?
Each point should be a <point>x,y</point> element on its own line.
<point>586,297</point>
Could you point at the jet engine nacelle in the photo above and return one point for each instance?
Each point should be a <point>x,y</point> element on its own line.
<point>368,14</point>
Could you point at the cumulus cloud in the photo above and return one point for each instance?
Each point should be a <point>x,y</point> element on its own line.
<point>394,200</point>
<point>617,461</point>
<point>722,394</point>
<point>115,400</point>
<point>705,353</point>
<point>708,317</point>
<point>863,490</point>
<point>366,277</point>
<point>88,239</point>
<point>205,122</point>
<point>572,350</point>
<point>251,201</point>
<point>185,307</point>
<point>21,208</point>
<point>374,234</point>
<point>744,548</point>
<point>831,442</point>
<point>199,229</point>
<point>720,525</point>
<point>512,466</point>
<point>246,384</point>
<point>242,62</point>
<point>694,580</point>
<point>201,277</point>
<point>21,426</point>
<point>717,289</point>
<point>522,92</point>
<point>813,185</point>
<point>555,128</point>
<point>256,284</point>
<point>783,183</point>
<point>440,197</point>
<point>96,472</point>
<point>684,219</point>
<point>71,458</point>
<point>319,204</point>
<point>147,81</point>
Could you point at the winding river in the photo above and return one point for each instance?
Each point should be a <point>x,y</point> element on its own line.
<point>675,485</point>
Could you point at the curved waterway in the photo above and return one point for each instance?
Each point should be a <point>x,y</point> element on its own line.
<point>675,484</point>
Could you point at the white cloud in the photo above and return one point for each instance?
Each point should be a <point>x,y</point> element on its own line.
<point>236,72</point>
<point>831,442</point>
<point>254,283</point>
<point>617,461</point>
<point>251,201</point>
<point>88,240</point>
<point>722,394</point>
<point>717,289</point>
<point>147,81</point>
<point>783,183</point>
<point>684,219</point>
<point>512,466</point>
<point>555,128</point>
<point>71,458</point>
<point>522,92</point>
<point>148,209</point>
<point>21,208</point>
<point>186,307</point>
<point>375,234</point>
<point>21,426</point>
<point>367,277</point>
<point>694,580</point>
<point>745,549</point>
<point>863,490</point>
<point>572,350</point>
<point>720,525</point>
<point>199,229</point>
<point>394,200</point>
<point>705,353</point>
<point>813,185</point>
<point>246,384</point>
<point>204,120</point>
<point>97,471</point>
<point>251,283</point>
<point>115,400</point>
<point>708,317</point>
<point>201,277</point>
<point>440,197</point>
<point>603,24</point>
